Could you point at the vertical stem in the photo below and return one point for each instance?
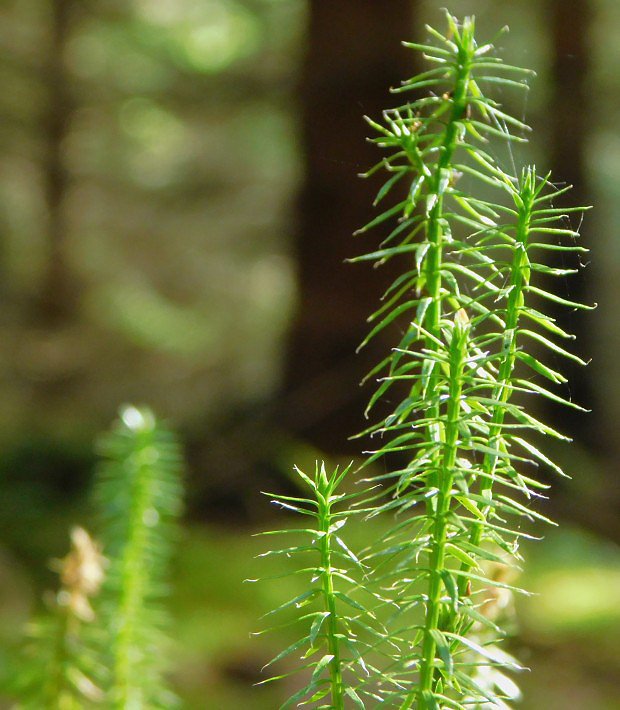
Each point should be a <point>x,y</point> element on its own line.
<point>458,349</point>
<point>335,666</point>
<point>128,689</point>
<point>434,234</point>
<point>433,229</point>
<point>138,494</point>
<point>519,278</point>
<point>441,478</point>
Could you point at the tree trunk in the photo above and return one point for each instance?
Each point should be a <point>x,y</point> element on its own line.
<point>591,501</point>
<point>57,294</point>
<point>354,56</point>
<point>569,21</point>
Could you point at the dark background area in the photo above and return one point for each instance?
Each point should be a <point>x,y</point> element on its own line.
<point>178,194</point>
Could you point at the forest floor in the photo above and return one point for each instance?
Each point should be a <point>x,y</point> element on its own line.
<point>569,630</point>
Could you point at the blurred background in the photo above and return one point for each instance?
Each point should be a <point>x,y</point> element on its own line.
<point>177,196</point>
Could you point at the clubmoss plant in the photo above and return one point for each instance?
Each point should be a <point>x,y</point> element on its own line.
<point>138,491</point>
<point>460,448</point>
<point>110,650</point>
<point>337,624</point>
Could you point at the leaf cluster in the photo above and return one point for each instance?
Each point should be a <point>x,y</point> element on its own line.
<point>461,449</point>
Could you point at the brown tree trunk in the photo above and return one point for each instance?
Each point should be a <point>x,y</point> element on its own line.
<point>569,21</point>
<point>57,295</point>
<point>593,499</point>
<point>354,56</point>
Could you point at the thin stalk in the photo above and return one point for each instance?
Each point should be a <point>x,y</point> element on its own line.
<point>458,350</point>
<point>519,279</point>
<point>128,692</point>
<point>439,508</point>
<point>434,233</point>
<point>333,645</point>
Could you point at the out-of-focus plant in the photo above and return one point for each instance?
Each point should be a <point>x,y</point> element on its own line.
<point>110,650</point>
<point>58,667</point>
<point>459,447</point>
<point>138,492</point>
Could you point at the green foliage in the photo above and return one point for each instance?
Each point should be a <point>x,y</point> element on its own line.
<point>111,651</point>
<point>58,666</point>
<point>139,494</point>
<point>336,623</point>
<point>459,447</point>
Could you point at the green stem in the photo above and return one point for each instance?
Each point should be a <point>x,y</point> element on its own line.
<point>128,690</point>
<point>519,279</point>
<point>335,666</point>
<point>438,508</point>
<point>434,232</point>
<point>423,692</point>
